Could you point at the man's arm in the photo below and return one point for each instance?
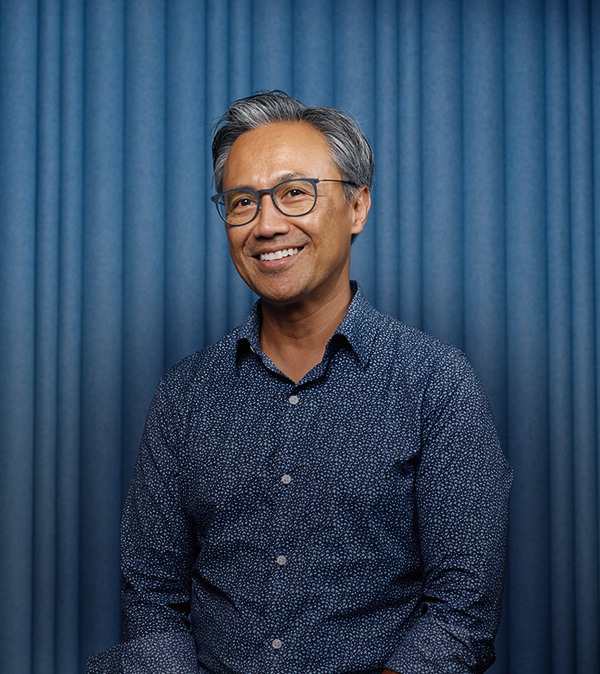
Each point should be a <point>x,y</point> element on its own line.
<point>157,541</point>
<point>462,490</point>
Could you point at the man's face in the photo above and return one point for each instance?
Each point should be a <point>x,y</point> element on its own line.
<point>318,263</point>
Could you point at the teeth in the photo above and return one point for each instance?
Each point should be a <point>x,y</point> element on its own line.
<point>277,255</point>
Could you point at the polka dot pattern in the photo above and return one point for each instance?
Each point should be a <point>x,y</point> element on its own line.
<point>353,521</point>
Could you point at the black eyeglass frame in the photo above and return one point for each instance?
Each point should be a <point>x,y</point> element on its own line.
<point>271,192</point>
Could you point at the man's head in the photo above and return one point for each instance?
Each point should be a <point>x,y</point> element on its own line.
<point>350,150</point>
<point>283,186</point>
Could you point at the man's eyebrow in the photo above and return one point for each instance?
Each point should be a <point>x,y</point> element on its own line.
<point>292,175</point>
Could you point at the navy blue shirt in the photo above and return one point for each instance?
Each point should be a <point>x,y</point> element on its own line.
<point>353,521</point>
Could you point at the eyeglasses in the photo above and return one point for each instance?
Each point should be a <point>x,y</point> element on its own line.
<point>294,197</point>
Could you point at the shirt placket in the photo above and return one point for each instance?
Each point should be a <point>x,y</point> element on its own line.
<point>285,485</point>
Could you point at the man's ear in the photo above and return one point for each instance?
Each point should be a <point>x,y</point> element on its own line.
<point>360,203</point>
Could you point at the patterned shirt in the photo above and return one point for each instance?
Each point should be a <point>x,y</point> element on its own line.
<point>353,521</point>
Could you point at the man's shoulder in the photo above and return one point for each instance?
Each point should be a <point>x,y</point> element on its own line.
<point>406,343</point>
<point>413,360</point>
<point>211,364</point>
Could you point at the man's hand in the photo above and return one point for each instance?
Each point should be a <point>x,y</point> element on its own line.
<point>388,671</point>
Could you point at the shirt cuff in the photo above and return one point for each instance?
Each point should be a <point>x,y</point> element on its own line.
<point>172,652</point>
<point>432,646</point>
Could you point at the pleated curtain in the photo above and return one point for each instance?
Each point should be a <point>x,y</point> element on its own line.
<point>484,116</point>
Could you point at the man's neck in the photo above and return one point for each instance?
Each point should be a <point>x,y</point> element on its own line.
<point>294,336</point>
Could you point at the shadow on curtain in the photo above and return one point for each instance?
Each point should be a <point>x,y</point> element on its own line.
<point>484,121</point>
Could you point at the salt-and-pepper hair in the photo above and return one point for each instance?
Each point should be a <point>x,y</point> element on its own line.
<point>349,147</point>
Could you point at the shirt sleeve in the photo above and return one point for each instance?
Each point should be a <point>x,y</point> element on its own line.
<point>154,654</point>
<point>157,554</point>
<point>462,492</point>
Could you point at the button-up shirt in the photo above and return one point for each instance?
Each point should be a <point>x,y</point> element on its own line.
<point>352,521</point>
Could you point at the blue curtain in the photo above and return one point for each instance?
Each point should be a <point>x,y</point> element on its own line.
<point>485,120</point>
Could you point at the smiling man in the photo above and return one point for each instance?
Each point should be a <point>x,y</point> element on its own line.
<point>322,491</point>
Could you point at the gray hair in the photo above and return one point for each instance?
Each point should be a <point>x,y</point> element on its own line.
<point>349,147</point>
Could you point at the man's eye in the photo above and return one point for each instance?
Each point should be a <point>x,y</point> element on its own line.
<point>242,202</point>
<point>294,193</point>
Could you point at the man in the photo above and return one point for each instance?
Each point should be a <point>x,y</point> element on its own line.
<point>322,491</point>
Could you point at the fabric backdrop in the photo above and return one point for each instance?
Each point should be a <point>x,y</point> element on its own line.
<point>485,231</point>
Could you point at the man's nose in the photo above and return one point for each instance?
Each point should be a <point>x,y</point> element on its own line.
<point>269,219</point>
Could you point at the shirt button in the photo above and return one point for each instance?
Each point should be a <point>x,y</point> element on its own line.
<point>294,400</point>
<point>286,479</point>
<point>281,560</point>
<point>276,643</point>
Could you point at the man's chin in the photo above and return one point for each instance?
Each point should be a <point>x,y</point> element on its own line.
<point>280,299</point>
<point>281,295</point>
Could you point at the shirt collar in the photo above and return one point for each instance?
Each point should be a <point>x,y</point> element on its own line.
<point>359,324</point>
<point>358,327</point>
<point>249,330</point>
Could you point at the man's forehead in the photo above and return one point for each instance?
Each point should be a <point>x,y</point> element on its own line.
<point>282,147</point>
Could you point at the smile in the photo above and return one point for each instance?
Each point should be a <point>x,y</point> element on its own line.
<point>278,254</point>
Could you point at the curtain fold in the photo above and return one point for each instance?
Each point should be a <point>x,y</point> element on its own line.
<point>484,231</point>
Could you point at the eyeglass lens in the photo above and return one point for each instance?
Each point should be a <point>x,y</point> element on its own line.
<point>293,197</point>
